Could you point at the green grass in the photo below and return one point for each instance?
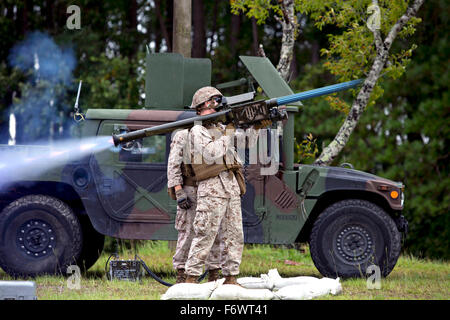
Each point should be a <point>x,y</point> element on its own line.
<point>412,278</point>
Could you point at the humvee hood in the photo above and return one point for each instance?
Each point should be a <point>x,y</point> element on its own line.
<point>354,175</point>
<point>339,178</point>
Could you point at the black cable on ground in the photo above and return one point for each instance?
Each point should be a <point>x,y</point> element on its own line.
<point>202,276</point>
<point>154,276</point>
<point>106,265</point>
<point>150,272</point>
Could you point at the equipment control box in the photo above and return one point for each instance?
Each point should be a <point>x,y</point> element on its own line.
<point>17,290</point>
<point>128,270</point>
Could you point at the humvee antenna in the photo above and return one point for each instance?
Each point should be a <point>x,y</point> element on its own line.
<point>78,116</point>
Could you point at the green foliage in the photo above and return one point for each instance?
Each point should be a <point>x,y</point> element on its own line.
<point>260,9</point>
<point>409,141</point>
<point>405,135</point>
<point>112,83</point>
<point>338,104</point>
<point>9,81</point>
<point>307,149</point>
<point>316,118</point>
<point>351,50</point>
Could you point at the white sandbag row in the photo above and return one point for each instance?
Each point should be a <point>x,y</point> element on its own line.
<point>267,287</point>
<point>191,291</point>
<point>264,282</point>
<point>279,282</point>
<point>310,290</point>
<point>233,292</point>
<point>215,291</point>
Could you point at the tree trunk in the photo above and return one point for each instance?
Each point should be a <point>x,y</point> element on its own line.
<point>49,14</point>
<point>199,41</point>
<point>294,66</point>
<point>132,15</point>
<point>255,43</point>
<point>315,52</point>
<point>22,23</point>
<point>382,53</point>
<point>182,19</point>
<point>234,36</point>
<point>214,26</point>
<point>132,29</point>
<point>182,13</point>
<point>162,25</point>
<point>289,26</point>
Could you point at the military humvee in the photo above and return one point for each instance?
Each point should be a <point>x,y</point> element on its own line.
<point>351,219</point>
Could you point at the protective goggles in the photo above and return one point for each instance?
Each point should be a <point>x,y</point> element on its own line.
<point>217,99</point>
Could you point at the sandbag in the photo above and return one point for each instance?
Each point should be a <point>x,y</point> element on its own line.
<point>264,282</point>
<point>279,282</point>
<point>234,292</point>
<point>334,285</point>
<point>295,288</point>
<point>191,291</point>
<point>321,287</point>
<point>284,282</point>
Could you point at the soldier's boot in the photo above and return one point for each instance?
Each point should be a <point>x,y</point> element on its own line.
<point>191,279</point>
<point>181,276</point>
<point>231,280</point>
<point>213,275</point>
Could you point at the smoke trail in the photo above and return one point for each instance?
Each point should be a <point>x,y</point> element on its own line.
<point>47,61</point>
<point>28,162</point>
<point>49,73</point>
<point>40,113</point>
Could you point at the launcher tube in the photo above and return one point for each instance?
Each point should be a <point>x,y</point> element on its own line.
<point>317,92</point>
<point>165,128</point>
<point>226,114</point>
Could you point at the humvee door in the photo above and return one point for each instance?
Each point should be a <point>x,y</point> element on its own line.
<point>132,179</point>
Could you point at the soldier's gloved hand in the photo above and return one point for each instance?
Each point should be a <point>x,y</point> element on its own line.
<point>182,199</point>
<point>262,124</point>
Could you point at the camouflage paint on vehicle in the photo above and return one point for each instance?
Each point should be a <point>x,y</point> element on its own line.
<point>131,196</point>
<point>131,188</point>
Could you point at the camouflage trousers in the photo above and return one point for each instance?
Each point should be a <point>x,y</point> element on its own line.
<point>212,214</point>
<point>184,223</point>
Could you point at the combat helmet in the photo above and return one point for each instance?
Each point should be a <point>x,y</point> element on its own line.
<point>204,94</point>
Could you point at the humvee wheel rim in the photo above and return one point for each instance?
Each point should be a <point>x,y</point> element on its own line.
<point>36,238</point>
<point>354,244</point>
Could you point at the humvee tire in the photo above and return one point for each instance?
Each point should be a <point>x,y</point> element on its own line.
<point>39,235</point>
<point>350,235</point>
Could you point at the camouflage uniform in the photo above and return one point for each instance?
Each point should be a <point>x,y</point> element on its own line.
<point>218,206</point>
<point>185,218</point>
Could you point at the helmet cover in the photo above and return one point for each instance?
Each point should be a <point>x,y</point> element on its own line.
<point>204,94</point>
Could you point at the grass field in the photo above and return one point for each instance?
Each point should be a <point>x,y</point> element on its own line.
<point>412,278</point>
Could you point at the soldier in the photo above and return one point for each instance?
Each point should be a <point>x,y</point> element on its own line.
<point>220,185</point>
<point>183,188</point>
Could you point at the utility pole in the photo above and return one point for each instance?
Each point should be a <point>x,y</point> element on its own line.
<point>182,21</point>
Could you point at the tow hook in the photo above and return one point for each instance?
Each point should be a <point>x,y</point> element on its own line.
<point>402,225</point>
